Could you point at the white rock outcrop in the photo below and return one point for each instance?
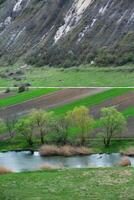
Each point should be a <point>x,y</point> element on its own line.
<point>72,17</point>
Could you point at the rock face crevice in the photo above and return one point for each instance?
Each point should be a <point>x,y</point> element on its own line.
<point>64,30</point>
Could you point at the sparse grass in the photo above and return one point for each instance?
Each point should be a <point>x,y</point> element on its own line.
<point>72,184</point>
<point>85,76</point>
<point>48,166</point>
<point>27,95</point>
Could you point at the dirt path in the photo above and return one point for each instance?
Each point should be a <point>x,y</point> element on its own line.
<point>49,101</point>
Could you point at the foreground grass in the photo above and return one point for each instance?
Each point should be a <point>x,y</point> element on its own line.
<point>72,184</point>
<point>28,95</point>
<point>92,100</point>
<point>85,76</point>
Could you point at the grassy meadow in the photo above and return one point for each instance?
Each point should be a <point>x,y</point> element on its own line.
<point>95,184</point>
<point>83,76</point>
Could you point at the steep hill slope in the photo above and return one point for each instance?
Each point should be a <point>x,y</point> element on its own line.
<point>67,31</point>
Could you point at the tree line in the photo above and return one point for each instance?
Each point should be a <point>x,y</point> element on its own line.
<point>75,127</point>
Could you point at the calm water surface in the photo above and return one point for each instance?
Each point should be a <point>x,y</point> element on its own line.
<point>25,161</point>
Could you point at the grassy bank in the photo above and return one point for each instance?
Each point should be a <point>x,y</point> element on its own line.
<point>25,96</point>
<point>72,184</point>
<point>85,76</point>
<point>96,145</point>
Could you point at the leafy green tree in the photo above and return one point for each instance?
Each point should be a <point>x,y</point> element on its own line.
<point>80,118</point>
<point>42,122</point>
<point>113,123</point>
<point>24,126</point>
<point>61,130</point>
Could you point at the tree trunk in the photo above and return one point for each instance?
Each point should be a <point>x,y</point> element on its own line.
<point>42,138</point>
<point>30,142</point>
<point>107,142</point>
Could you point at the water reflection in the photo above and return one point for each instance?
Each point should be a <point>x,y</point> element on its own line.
<point>25,161</point>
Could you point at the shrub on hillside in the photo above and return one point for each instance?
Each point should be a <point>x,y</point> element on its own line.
<point>104,58</point>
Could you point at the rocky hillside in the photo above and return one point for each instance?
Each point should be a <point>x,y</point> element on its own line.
<point>67,32</point>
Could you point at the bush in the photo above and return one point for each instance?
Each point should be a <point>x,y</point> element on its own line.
<point>2,1</point>
<point>67,150</point>
<point>104,58</point>
<point>7,90</point>
<point>124,162</point>
<point>49,150</point>
<point>61,129</point>
<point>128,152</point>
<point>21,89</point>
<point>4,170</point>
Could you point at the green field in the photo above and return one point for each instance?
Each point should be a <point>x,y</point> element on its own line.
<point>87,101</point>
<point>25,96</point>
<point>72,184</point>
<point>82,76</point>
<point>92,100</point>
<point>129,112</point>
<point>60,110</point>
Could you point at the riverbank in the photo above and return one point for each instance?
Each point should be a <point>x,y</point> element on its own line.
<point>118,183</point>
<point>94,145</point>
